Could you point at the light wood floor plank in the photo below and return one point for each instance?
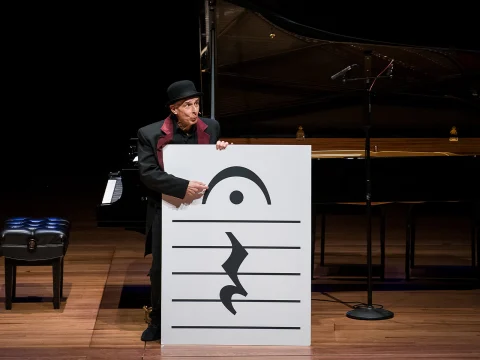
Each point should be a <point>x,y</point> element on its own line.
<point>434,318</point>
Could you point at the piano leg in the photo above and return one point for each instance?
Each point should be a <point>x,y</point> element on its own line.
<point>322,241</point>
<point>314,231</point>
<point>382,215</point>
<point>476,230</point>
<point>412,238</point>
<point>473,231</point>
<point>478,250</point>
<point>476,225</point>
<point>382,242</point>
<point>408,237</point>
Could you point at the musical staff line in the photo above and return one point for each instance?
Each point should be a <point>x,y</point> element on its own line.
<point>240,327</point>
<point>240,221</point>
<point>238,300</point>
<point>240,273</point>
<point>229,247</point>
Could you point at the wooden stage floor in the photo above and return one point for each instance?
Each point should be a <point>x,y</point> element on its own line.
<point>106,285</point>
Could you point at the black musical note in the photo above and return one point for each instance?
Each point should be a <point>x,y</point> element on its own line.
<point>236,197</point>
<point>231,266</point>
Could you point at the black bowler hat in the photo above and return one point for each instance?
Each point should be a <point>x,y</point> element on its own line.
<point>182,89</point>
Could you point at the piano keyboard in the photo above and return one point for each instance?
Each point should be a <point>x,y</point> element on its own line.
<point>113,191</point>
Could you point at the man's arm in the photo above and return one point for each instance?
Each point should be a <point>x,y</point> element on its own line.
<point>152,176</point>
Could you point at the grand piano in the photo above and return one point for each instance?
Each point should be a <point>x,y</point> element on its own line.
<point>268,80</point>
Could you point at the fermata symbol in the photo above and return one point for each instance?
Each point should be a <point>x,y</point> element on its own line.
<point>231,266</point>
<point>236,171</point>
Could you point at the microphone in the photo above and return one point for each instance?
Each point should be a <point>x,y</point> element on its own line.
<point>342,72</point>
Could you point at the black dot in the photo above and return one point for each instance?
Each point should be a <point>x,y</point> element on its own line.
<point>236,197</point>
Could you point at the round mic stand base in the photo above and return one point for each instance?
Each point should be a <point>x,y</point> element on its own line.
<point>369,313</point>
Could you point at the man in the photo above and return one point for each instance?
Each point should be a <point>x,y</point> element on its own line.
<point>182,126</point>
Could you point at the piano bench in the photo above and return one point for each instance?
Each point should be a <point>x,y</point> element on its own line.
<point>29,241</point>
<point>350,208</point>
<point>417,208</point>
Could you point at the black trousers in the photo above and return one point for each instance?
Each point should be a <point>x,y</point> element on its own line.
<point>156,268</point>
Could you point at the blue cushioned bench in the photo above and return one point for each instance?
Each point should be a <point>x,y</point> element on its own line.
<point>29,241</point>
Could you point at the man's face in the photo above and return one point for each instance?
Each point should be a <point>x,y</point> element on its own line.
<point>186,111</point>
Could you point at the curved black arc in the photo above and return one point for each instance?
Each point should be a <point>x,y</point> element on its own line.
<point>231,266</point>
<point>237,171</point>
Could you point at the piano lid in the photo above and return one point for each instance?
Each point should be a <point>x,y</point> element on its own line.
<point>398,24</point>
<point>273,76</point>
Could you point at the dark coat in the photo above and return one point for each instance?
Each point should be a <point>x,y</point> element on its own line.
<point>151,141</point>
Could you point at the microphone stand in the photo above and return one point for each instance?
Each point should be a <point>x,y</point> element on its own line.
<point>213,50</point>
<point>368,311</point>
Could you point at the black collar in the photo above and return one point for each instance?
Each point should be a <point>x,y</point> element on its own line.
<point>176,128</point>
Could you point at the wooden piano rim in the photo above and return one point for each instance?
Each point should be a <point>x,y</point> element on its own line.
<point>386,153</point>
<point>386,147</point>
<point>377,203</point>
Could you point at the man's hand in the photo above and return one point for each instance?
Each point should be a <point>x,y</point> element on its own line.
<point>196,189</point>
<point>222,145</point>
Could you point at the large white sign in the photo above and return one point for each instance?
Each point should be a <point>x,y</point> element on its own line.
<point>236,263</point>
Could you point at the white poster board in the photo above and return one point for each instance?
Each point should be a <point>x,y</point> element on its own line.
<point>236,263</point>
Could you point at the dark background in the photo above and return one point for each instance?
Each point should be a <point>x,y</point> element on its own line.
<point>85,79</point>
<point>80,81</point>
